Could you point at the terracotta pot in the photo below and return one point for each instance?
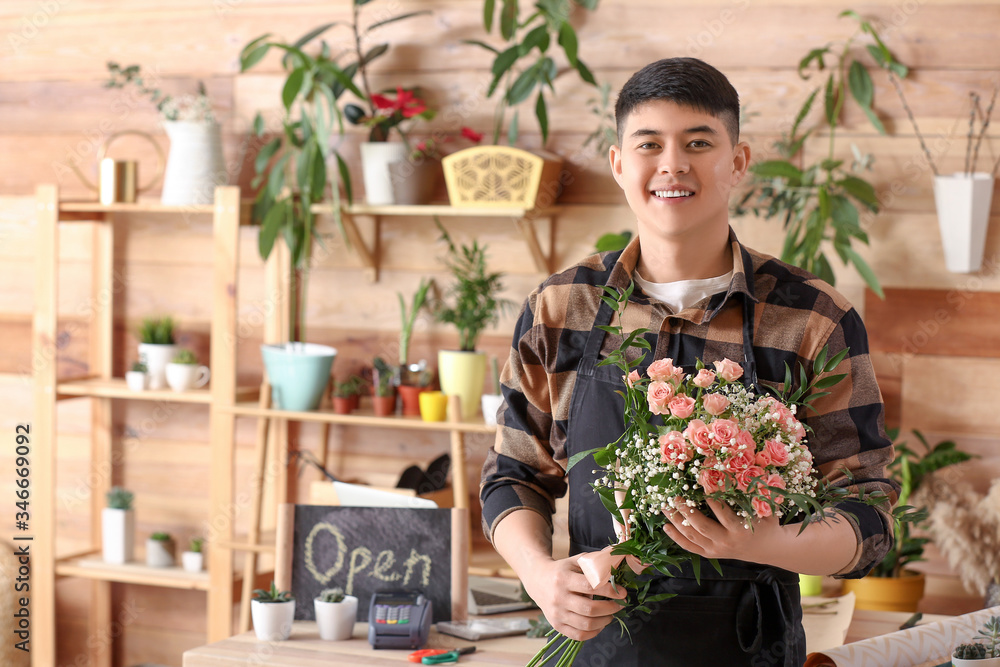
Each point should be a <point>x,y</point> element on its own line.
<point>411,399</point>
<point>887,593</point>
<point>384,405</point>
<point>344,405</point>
<point>355,401</point>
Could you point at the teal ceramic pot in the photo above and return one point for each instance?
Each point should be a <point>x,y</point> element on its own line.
<point>298,372</point>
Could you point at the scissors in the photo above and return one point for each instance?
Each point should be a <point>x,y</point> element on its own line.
<point>437,656</point>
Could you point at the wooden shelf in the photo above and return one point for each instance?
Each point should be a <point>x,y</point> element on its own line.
<point>92,567</point>
<point>143,206</point>
<point>360,418</point>
<point>116,388</point>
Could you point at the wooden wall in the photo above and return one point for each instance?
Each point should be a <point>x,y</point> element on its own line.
<point>934,337</point>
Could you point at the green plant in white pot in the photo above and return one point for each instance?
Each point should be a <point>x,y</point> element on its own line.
<point>156,348</point>
<point>160,550</point>
<point>118,527</point>
<point>273,613</point>
<point>136,379</point>
<point>984,651</point>
<point>184,372</point>
<point>471,304</point>
<point>336,613</point>
<point>193,560</point>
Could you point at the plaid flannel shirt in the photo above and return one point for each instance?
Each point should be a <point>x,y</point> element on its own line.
<point>795,316</point>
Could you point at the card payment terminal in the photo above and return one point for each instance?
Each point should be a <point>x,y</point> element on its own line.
<point>399,620</point>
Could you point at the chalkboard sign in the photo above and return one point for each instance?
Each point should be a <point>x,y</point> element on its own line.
<point>374,549</point>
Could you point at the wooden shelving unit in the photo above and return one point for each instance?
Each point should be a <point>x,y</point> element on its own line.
<point>102,389</point>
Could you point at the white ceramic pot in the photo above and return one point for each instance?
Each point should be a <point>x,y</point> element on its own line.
<point>195,164</point>
<point>182,377</point>
<point>117,535</point>
<point>335,620</point>
<point>988,662</point>
<point>490,404</point>
<point>375,159</point>
<point>463,374</point>
<point>272,621</point>
<point>963,208</point>
<point>159,553</point>
<point>135,380</point>
<point>156,358</point>
<point>193,561</point>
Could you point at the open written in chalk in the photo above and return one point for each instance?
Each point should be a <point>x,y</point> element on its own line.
<point>365,550</point>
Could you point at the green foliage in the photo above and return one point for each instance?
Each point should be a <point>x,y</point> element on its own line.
<point>196,544</point>
<point>331,595</point>
<point>185,356</point>
<point>613,241</point>
<point>525,65</point>
<point>157,331</point>
<point>474,298</point>
<point>120,498</point>
<point>409,318</point>
<point>820,202</point>
<point>160,537</point>
<point>352,386</point>
<point>383,375</point>
<point>606,134</point>
<point>988,645</point>
<point>272,595</point>
<point>539,627</point>
<point>187,107</point>
<point>909,470</point>
<point>139,367</point>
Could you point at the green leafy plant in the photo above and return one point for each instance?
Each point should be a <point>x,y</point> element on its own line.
<point>383,375</point>
<point>157,331</point>
<point>185,356</point>
<point>352,386</point>
<point>605,135</point>
<point>474,298</point>
<point>186,107</point>
<point>119,498</point>
<point>525,64</point>
<point>820,202</point>
<point>613,241</point>
<point>409,318</point>
<point>909,470</point>
<point>397,110</point>
<point>331,595</point>
<point>196,544</point>
<point>989,647</point>
<point>160,537</point>
<point>272,595</point>
<point>139,367</point>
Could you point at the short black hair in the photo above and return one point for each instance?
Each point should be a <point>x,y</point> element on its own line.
<point>686,81</point>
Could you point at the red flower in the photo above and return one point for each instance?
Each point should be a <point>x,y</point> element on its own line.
<point>472,135</point>
<point>406,103</point>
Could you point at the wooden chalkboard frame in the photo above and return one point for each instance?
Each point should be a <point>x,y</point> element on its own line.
<point>459,539</point>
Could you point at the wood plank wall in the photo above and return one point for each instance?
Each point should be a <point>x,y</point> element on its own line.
<point>934,337</point>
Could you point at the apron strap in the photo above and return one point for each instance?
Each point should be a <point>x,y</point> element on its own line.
<point>750,615</point>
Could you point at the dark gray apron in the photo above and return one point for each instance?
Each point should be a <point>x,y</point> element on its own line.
<point>751,616</point>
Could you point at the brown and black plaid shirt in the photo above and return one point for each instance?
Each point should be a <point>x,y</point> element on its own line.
<point>795,316</point>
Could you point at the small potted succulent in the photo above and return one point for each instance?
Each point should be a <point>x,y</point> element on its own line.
<point>193,560</point>
<point>118,527</point>
<point>156,348</point>
<point>383,389</point>
<point>347,394</point>
<point>273,612</point>
<point>160,550</point>
<point>335,614</point>
<point>183,371</point>
<point>985,651</point>
<point>135,379</point>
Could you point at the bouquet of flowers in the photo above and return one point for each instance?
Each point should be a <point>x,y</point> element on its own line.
<point>715,439</point>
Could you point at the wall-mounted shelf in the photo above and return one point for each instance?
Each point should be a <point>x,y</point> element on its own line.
<point>524,220</point>
<point>116,388</point>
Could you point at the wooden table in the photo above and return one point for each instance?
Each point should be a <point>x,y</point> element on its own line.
<point>306,649</point>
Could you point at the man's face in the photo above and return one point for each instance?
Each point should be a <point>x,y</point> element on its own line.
<point>677,166</point>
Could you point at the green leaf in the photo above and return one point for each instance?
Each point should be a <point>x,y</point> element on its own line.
<point>829,381</point>
<point>265,154</point>
<point>830,102</point>
<point>314,33</point>
<point>861,190</point>
<point>820,361</point>
<point>373,53</point>
<point>814,55</point>
<point>832,364</point>
<point>503,62</point>
<point>844,213</point>
<point>269,230</point>
<point>539,37</point>
<point>543,117</point>
<point>293,84</point>
<point>874,119</point>
<point>508,19</point>
<point>585,73</point>
<point>568,42</point>
<point>579,456</point>
<point>804,111</point>
<point>489,6</point>
<point>258,125</point>
<point>778,169</point>
<point>523,86</point>
<point>397,18</point>
<point>486,46</point>
<point>253,53</point>
<point>865,271</point>
<point>513,130</point>
<point>345,177</point>
<point>860,84</point>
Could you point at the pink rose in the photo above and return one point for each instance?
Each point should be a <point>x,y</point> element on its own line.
<point>729,370</point>
<point>740,461</point>
<point>704,378</point>
<point>712,480</point>
<point>761,508</point>
<point>763,458</point>
<point>674,448</point>
<point>658,396</point>
<point>747,475</point>
<point>715,404</point>
<point>777,452</point>
<point>745,440</point>
<point>782,415</point>
<point>798,431</point>
<point>724,430</point>
<point>698,434</point>
<point>710,461</point>
<point>663,370</point>
<point>774,480</point>
<point>632,378</point>
<point>681,407</point>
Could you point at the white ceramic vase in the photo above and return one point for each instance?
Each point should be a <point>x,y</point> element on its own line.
<point>117,535</point>
<point>375,159</point>
<point>159,553</point>
<point>193,561</point>
<point>195,164</point>
<point>988,662</point>
<point>963,208</point>
<point>156,358</point>
<point>335,620</point>
<point>272,621</point>
<point>135,380</point>
<point>491,403</point>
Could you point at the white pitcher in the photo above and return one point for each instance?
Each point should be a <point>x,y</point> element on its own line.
<point>195,164</point>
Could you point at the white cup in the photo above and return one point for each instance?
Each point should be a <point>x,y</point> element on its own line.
<point>182,377</point>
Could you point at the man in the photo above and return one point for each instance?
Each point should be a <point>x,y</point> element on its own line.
<point>704,296</point>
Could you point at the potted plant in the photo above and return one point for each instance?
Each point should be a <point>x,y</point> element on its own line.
<point>414,378</point>
<point>472,304</point>
<point>346,395</point>
<point>383,389</point>
<point>160,550</point>
<point>335,614</point>
<point>492,402</point>
<point>118,527</point>
<point>985,652</point>
<point>193,560</point>
<point>416,179</point>
<point>135,379</point>
<point>184,373</point>
<point>820,202</point>
<point>156,348</point>
<point>273,613</point>
<point>891,586</point>
<point>195,165</point>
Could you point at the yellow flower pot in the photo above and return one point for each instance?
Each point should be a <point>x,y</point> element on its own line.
<point>462,374</point>
<point>433,406</point>
<point>887,593</point>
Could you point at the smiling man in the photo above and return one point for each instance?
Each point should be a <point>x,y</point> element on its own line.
<point>702,295</point>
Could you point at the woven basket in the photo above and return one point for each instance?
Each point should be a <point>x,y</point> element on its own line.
<point>502,176</point>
